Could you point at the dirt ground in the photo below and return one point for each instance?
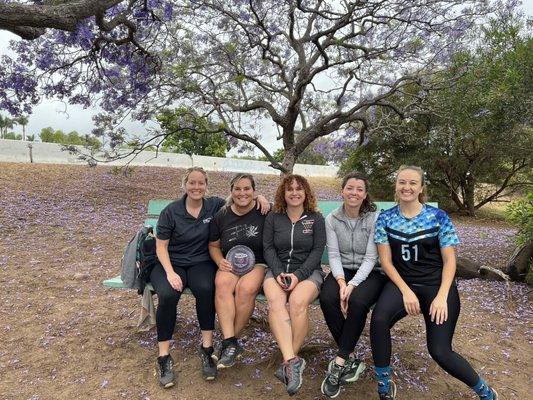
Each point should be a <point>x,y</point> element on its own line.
<point>63,335</point>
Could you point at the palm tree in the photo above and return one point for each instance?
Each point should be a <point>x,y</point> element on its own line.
<point>5,124</point>
<point>23,120</point>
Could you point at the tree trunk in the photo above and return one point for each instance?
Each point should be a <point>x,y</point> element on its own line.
<point>288,162</point>
<point>520,264</point>
<point>469,200</point>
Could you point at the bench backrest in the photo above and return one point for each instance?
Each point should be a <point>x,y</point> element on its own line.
<point>326,206</point>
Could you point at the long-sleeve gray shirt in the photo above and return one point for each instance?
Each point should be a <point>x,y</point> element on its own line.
<point>294,247</point>
<point>351,247</point>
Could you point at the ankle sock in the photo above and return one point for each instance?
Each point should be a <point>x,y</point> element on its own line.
<point>208,350</point>
<point>383,378</point>
<point>483,390</point>
<point>230,340</point>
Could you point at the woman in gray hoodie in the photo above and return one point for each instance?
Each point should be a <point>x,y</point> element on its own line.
<point>355,281</point>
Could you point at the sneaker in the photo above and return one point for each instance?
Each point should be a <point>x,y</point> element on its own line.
<point>391,394</point>
<point>209,368</point>
<point>280,374</point>
<point>167,378</point>
<point>494,394</point>
<point>331,386</point>
<point>229,355</point>
<point>352,369</point>
<point>294,369</point>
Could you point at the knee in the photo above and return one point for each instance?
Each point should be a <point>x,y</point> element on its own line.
<point>329,299</point>
<point>297,305</point>
<point>356,306</point>
<point>276,304</point>
<point>168,297</point>
<point>439,353</point>
<point>223,288</point>
<point>379,320</point>
<point>205,288</point>
<point>247,291</point>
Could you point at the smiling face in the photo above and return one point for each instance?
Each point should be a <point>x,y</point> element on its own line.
<point>242,193</point>
<point>408,185</point>
<point>294,194</point>
<point>354,192</point>
<point>196,185</point>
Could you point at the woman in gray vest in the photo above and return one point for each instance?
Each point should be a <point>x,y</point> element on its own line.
<point>355,282</point>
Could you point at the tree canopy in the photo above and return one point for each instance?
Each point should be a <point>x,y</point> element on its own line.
<point>476,141</point>
<point>305,69</point>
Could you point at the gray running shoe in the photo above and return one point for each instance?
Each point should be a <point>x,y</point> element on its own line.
<point>391,394</point>
<point>167,378</point>
<point>352,369</point>
<point>280,374</point>
<point>209,368</point>
<point>229,355</point>
<point>294,369</point>
<point>331,385</point>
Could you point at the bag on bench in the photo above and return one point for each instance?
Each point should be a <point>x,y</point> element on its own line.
<point>138,259</point>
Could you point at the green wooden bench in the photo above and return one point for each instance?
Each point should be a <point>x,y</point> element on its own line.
<point>156,206</point>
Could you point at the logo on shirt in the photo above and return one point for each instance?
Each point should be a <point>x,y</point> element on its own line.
<point>308,226</point>
<point>207,220</point>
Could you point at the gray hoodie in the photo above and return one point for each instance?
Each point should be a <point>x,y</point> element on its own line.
<point>351,248</point>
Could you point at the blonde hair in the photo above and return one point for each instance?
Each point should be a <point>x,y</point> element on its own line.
<point>236,178</point>
<point>422,198</point>
<point>190,170</point>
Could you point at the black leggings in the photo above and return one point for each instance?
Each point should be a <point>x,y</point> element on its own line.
<point>200,278</point>
<point>390,309</point>
<point>346,331</point>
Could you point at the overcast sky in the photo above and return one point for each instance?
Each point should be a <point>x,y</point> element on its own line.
<point>68,118</point>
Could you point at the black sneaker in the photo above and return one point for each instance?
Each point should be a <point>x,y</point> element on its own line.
<point>167,378</point>
<point>229,355</point>
<point>331,386</point>
<point>391,394</point>
<point>209,368</point>
<point>280,374</point>
<point>294,369</point>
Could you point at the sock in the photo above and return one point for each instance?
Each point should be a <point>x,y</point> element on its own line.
<point>208,350</point>
<point>383,378</point>
<point>483,390</point>
<point>343,354</point>
<point>229,340</point>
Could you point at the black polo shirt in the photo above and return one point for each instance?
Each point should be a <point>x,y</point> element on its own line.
<point>188,236</point>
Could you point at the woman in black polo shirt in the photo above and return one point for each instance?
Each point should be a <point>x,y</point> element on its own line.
<point>184,261</point>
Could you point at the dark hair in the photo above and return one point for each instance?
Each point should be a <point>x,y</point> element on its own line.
<point>280,205</point>
<point>422,198</point>
<point>367,205</point>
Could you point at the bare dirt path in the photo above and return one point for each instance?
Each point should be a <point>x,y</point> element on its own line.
<point>64,336</point>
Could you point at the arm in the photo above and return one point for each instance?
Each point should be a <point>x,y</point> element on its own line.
<point>216,255</point>
<point>161,248</point>
<point>439,306</point>
<point>269,251</point>
<point>369,259</point>
<point>315,255</point>
<point>263,204</point>
<point>334,254</point>
<point>410,301</point>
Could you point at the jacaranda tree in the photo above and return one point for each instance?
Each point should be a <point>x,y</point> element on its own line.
<point>300,69</point>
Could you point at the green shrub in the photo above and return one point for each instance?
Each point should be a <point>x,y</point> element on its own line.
<point>520,212</point>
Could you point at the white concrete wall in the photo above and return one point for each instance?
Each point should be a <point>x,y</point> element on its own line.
<point>51,153</point>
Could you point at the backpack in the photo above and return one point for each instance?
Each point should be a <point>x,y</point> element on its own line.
<point>139,259</point>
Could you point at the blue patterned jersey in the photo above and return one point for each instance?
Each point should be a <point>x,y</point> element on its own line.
<point>416,242</point>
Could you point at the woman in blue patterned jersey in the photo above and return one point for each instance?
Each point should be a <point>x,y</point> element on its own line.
<point>416,250</point>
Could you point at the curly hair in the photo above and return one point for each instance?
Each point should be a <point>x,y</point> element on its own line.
<point>280,205</point>
<point>368,205</point>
